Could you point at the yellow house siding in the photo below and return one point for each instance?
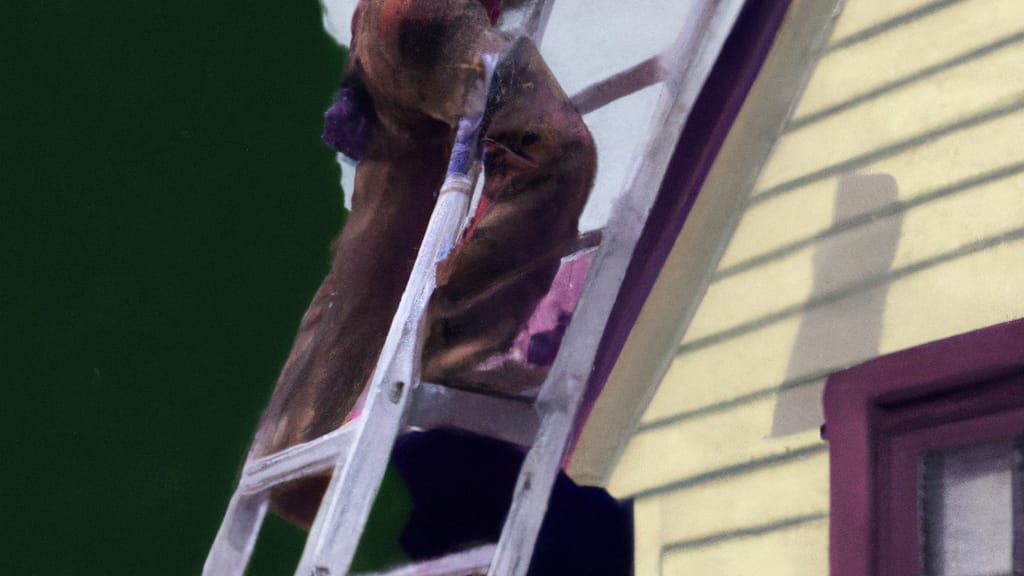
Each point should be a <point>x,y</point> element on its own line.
<point>730,437</point>
<point>798,548</point>
<point>891,213</point>
<point>860,18</point>
<point>940,168</point>
<point>680,286</point>
<point>979,290</point>
<point>792,488</point>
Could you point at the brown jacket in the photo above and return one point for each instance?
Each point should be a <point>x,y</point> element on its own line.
<point>415,60</point>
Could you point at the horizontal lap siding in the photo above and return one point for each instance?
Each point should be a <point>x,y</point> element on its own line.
<point>890,214</point>
<point>797,549</point>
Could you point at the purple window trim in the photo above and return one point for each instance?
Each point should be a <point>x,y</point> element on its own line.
<point>710,121</point>
<point>933,394</point>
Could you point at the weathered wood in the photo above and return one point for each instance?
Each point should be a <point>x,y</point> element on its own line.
<point>629,81</point>
<point>297,461</point>
<point>528,18</point>
<point>236,537</point>
<point>458,564</point>
<point>510,419</point>
<point>342,515</point>
<point>689,61</point>
<point>333,539</point>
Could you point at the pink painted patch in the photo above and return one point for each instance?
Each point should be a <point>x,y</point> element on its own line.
<point>358,408</point>
<point>560,301</point>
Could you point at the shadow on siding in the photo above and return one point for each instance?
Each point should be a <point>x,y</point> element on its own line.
<point>851,327</point>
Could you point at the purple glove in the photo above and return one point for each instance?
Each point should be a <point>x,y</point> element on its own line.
<point>348,123</point>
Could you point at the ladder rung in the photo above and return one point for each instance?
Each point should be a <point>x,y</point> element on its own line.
<point>510,419</point>
<point>473,561</point>
<point>297,461</point>
<point>506,418</point>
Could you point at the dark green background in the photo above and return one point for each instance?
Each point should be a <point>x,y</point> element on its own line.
<point>167,208</point>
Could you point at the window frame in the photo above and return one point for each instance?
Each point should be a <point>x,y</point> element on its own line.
<point>881,415</point>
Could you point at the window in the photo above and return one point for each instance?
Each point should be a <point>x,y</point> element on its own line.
<point>968,507</point>
<point>927,459</point>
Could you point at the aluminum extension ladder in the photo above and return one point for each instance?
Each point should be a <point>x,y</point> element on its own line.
<point>397,400</point>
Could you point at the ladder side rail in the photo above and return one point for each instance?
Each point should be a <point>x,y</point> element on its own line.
<point>334,536</point>
<point>529,18</point>
<point>336,531</point>
<point>324,550</point>
<point>236,537</point>
<point>692,57</point>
